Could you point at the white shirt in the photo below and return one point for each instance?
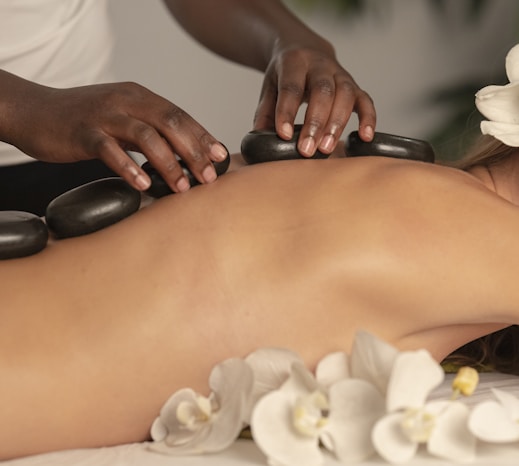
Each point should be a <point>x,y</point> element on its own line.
<point>58,43</point>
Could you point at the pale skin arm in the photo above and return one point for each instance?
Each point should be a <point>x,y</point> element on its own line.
<point>299,65</point>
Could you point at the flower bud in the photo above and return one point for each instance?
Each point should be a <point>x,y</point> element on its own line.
<point>465,381</point>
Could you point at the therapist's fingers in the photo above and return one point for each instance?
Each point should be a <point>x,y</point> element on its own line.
<point>297,76</point>
<point>332,97</point>
<point>282,95</point>
<point>191,142</point>
<point>322,117</point>
<point>367,115</point>
<point>264,118</point>
<point>291,94</point>
<point>163,132</point>
<point>103,120</point>
<point>145,138</point>
<point>128,132</point>
<point>110,152</point>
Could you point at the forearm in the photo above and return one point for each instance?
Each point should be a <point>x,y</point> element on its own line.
<point>247,32</point>
<point>16,99</point>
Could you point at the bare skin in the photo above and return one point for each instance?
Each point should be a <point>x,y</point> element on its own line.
<point>105,120</point>
<point>98,331</point>
<point>299,65</point>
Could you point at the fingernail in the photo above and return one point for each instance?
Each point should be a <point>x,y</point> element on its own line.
<point>287,130</point>
<point>369,132</point>
<point>327,143</point>
<point>219,152</point>
<point>142,182</point>
<point>209,174</point>
<point>313,130</point>
<point>183,185</point>
<point>308,146</point>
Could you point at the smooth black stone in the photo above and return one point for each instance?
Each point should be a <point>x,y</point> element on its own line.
<point>267,146</point>
<point>21,234</point>
<point>159,187</point>
<point>389,145</point>
<point>91,207</point>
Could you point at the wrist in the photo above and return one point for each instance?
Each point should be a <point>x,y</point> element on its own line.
<point>309,41</point>
<point>17,104</point>
<point>13,92</point>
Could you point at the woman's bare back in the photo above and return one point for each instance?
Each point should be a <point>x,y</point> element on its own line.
<point>98,331</point>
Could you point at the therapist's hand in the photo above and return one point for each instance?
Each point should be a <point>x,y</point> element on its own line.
<point>299,65</point>
<point>311,74</point>
<point>103,121</point>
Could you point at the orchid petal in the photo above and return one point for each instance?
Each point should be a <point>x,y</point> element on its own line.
<point>301,381</point>
<point>389,440</point>
<point>271,367</point>
<point>271,426</point>
<point>158,430</point>
<point>489,421</point>
<point>507,133</point>
<point>167,424</point>
<point>372,360</point>
<point>499,103</point>
<point>415,374</point>
<point>509,402</point>
<point>214,430</point>
<point>230,378</point>
<point>451,438</point>
<point>172,445</point>
<point>332,368</point>
<point>512,64</point>
<point>231,382</point>
<point>355,406</point>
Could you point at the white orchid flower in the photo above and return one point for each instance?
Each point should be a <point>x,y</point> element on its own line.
<point>372,360</point>
<point>190,423</point>
<point>271,368</point>
<point>289,424</point>
<point>507,133</point>
<point>496,421</point>
<point>411,421</point>
<point>500,104</point>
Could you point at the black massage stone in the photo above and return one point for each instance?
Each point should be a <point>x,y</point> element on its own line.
<point>389,145</point>
<point>21,234</point>
<point>159,188</point>
<point>91,207</point>
<point>267,146</point>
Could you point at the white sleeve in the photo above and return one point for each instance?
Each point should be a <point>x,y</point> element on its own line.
<point>58,43</point>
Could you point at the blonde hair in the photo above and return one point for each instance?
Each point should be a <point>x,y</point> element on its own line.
<point>486,151</point>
